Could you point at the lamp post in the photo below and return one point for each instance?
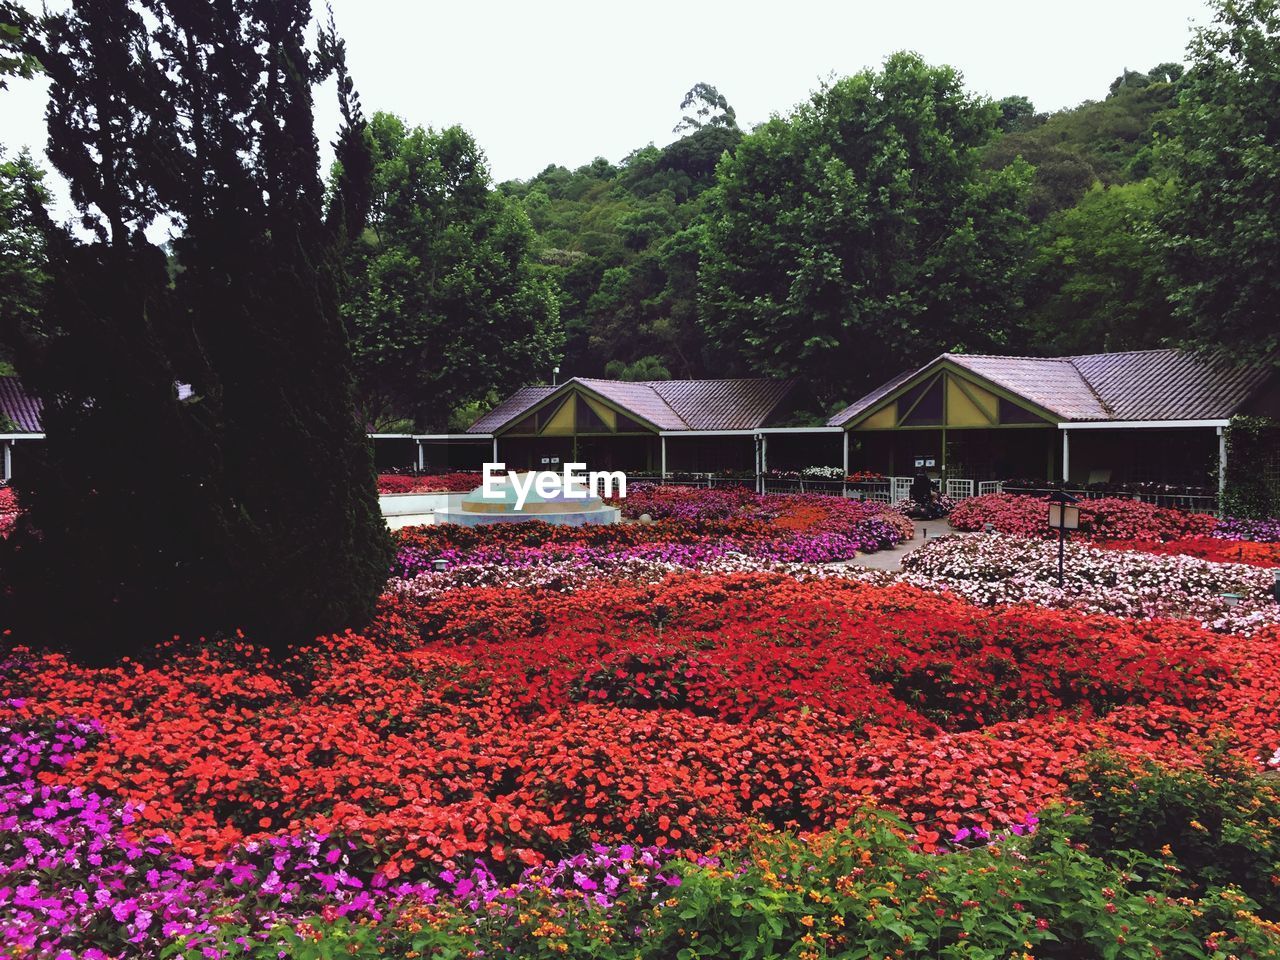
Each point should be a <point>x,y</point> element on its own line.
<point>1064,515</point>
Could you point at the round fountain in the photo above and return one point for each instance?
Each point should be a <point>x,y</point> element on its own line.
<point>475,509</point>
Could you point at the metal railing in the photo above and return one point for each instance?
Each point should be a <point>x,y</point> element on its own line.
<point>1192,502</point>
<point>887,490</point>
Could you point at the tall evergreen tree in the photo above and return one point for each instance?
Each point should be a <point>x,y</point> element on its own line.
<point>250,502</point>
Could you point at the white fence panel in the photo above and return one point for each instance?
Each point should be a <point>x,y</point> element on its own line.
<point>900,489</point>
<point>959,489</point>
<point>990,486</point>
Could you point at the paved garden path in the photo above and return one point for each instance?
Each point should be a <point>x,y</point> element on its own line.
<point>891,559</point>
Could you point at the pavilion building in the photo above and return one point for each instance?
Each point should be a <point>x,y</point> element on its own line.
<point>1132,417</point>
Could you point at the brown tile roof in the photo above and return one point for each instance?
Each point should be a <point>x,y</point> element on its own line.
<point>1172,384</point>
<point>510,408</point>
<point>1053,383</point>
<point>19,407</point>
<point>640,399</point>
<point>1166,384</point>
<point>742,404</point>
<point>723,404</point>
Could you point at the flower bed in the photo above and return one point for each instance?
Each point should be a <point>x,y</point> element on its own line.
<point>1110,518</point>
<point>428,483</point>
<point>993,569</point>
<point>535,722</point>
<point>1218,550</point>
<point>497,726</point>
<point>863,891</point>
<point>8,510</point>
<point>691,527</point>
<point>1239,528</point>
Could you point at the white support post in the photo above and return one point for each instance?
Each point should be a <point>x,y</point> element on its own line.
<point>663,443</point>
<point>422,462</point>
<point>1221,466</point>
<point>846,454</point>
<point>8,460</point>
<point>1066,456</point>
<point>495,449</point>
<point>764,454</point>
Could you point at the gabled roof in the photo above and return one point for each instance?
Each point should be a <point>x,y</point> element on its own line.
<point>1154,385</point>
<point>510,408</point>
<point>741,404</point>
<point>19,407</point>
<point>1053,383</point>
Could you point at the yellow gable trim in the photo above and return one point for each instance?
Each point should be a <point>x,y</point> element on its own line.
<point>968,405</point>
<point>561,423</point>
<point>884,418</point>
<point>609,417</point>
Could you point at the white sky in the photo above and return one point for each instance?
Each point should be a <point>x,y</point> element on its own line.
<point>564,82</point>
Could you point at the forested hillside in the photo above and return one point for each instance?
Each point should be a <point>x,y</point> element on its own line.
<point>624,241</point>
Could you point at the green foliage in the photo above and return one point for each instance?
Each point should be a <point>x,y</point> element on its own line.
<point>1018,113</point>
<point>713,109</point>
<point>623,244</point>
<point>646,368</point>
<point>446,304</point>
<point>467,414</point>
<point>1217,824</point>
<point>832,254</point>
<point>1096,276</point>
<point>16,59</point>
<point>861,892</point>
<point>23,261</point>
<point>1221,233</point>
<point>1253,468</point>
<point>252,504</point>
<point>1108,141</point>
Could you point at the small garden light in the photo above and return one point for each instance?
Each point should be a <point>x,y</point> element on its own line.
<point>439,565</point>
<point>1232,599</point>
<point>1064,515</point>
<point>1275,587</point>
<point>988,527</point>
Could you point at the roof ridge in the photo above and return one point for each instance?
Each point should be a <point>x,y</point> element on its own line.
<point>997,356</point>
<point>1089,383</point>
<point>1120,353</point>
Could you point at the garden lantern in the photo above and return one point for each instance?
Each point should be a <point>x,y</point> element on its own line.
<point>1232,599</point>
<point>439,565</point>
<point>988,527</point>
<point>1275,587</point>
<point>1064,515</point>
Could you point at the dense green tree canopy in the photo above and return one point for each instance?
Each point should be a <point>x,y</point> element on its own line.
<point>1097,275</point>
<point>23,261</point>
<point>446,304</point>
<point>1221,233</point>
<point>250,503</point>
<point>623,244</point>
<point>860,234</point>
